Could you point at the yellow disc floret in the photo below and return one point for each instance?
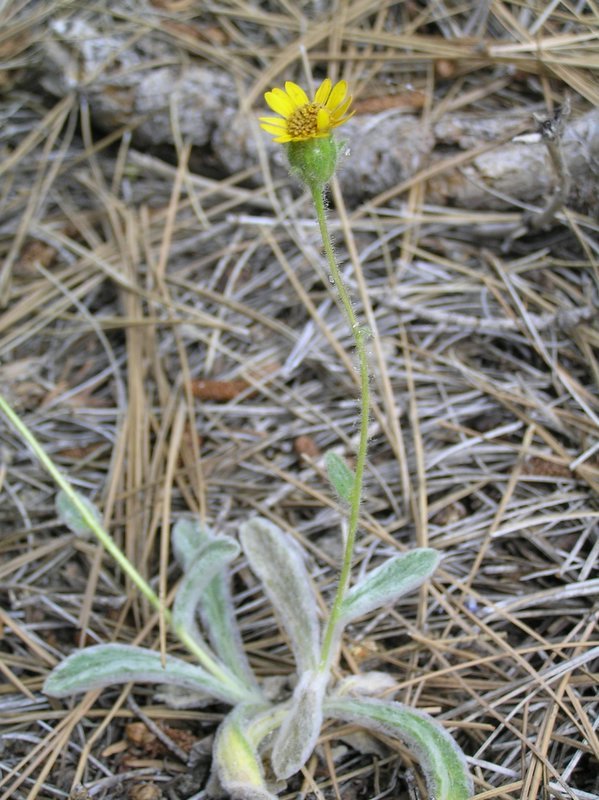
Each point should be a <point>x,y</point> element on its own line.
<point>303,123</point>
<point>301,119</point>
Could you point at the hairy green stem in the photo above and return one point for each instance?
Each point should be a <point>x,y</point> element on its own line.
<point>359,335</point>
<point>205,658</point>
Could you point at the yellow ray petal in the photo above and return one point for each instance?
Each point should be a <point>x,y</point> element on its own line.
<point>274,121</point>
<point>323,120</point>
<point>283,139</point>
<point>343,120</point>
<point>323,91</point>
<point>279,102</point>
<point>296,93</point>
<point>340,110</point>
<point>337,95</point>
<point>276,130</point>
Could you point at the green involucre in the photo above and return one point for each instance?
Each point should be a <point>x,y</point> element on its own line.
<point>314,161</point>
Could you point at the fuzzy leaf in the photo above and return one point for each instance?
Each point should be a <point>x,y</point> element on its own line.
<point>366,684</point>
<point>300,730</point>
<point>187,539</point>
<point>218,617</point>
<point>108,664</point>
<point>277,561</point>
<point>236,759</point>
<point>179,698</point>
<point>385,584</point>
<point>442,762</point>
<point>340,475</point>
<point>216,607</point>
<point>209,561</point>
<point>70,516</point>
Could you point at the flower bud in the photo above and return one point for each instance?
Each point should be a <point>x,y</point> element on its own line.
<point>313,161</point>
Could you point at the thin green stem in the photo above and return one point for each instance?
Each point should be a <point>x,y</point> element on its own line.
<point>204,657</point>
<point>359,335</point>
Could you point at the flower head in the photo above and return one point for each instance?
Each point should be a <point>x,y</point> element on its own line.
<point>301,119</point>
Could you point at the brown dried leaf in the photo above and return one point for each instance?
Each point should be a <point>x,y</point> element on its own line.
<point>78,453</point>
<point>536,465</point>
<point>140,735</point>
<point>218,391</point>
<point>374,105</point>
<point>36,252</point>
<point>306,446</point>
<point>205,33</point>
<point>145,791</point>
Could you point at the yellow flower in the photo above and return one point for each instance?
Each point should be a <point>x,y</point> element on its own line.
<point>302,119</point>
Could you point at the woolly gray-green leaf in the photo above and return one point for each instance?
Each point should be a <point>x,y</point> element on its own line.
<point>105,665</point>
<point>340,475</point>
<point>71,517</point>
<point>208,562</point>
<point>385,584</point>
<point>366,684</point>
<point>277,561</point>
<point>300,730</point>
<point>218,617</point>
<point>442,762</point>
<point>236,758</point>
<point>187,539</point>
